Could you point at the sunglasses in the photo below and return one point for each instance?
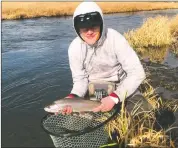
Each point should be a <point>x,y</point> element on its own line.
<point>88,20</point>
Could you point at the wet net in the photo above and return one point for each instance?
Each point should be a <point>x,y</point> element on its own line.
<point>78,130</point>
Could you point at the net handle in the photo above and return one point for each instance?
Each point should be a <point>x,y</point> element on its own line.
<point>85,130</point>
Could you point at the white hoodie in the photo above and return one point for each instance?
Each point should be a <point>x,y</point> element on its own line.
<point>110,59</point>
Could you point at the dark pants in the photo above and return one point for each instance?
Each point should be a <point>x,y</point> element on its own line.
<point>138,100</point>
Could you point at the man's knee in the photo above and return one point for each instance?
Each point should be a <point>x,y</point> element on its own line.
<point>139,103</point>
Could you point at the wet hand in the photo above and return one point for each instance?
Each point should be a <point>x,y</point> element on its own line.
<point>106,105</point>
<point>66,110</point>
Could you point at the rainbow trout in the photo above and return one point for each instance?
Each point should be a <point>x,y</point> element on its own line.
<point>77,104</point>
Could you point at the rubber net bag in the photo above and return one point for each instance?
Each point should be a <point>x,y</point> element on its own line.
<point>78,130</point>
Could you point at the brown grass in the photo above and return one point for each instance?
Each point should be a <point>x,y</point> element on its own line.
<point>155,32</point>
<point>174,32</point>
<point>154,37</point>
<point>174,24</point>
<point>18,10</point>
<point>138,131</point>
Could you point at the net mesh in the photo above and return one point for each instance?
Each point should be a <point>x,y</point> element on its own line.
<point>77,130</point>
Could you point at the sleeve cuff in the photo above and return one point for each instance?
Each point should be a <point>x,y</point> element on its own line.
<point>72,96</point>
<point>114,97</point>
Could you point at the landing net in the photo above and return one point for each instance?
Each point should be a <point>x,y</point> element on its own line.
<point>78,130</point>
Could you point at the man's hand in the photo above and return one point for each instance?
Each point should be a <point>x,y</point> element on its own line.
<point>67,109</point>
<point>106,105</point>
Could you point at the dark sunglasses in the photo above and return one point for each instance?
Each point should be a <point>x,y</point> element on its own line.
<point>88,20</point>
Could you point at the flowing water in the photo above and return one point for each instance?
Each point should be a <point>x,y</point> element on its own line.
<point>35,71</point>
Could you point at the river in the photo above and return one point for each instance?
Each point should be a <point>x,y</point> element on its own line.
<point>35,70</point>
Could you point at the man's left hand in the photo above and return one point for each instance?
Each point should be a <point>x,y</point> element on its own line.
<point>106,105</point>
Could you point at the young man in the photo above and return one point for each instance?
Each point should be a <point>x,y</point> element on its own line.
<point>101,54</point>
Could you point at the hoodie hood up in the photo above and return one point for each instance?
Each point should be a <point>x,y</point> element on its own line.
<point>87,7</point>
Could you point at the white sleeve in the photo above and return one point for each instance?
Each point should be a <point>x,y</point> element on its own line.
<point>131,65</point>
<point>79,75</point>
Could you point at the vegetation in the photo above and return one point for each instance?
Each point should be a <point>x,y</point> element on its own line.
<point>137,129</point>
<point>174,33</point>
<point>155,36</point>
<point>21,10</point>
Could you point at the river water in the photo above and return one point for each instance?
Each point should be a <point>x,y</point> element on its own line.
<point>35,71</point>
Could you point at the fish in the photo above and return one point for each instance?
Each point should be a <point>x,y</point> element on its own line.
<point>77,104</point>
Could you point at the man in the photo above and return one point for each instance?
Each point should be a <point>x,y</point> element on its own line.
<point>101,54</point>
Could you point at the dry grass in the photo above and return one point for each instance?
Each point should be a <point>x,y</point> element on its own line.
<point>18,10</point>
<point>138,131</point>
<point>174,32</point>
<point>174,24</point>
<point>155,36</point>
<point>156,54</point>
<point>149,93</point>
<point>155,32</point>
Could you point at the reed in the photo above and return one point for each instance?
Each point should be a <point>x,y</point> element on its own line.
<point>174,24</point>
<point>154,32</point>
<point>155,36</point>
<point>174,32</point>
<point>19,10</point>
<point>138,131</point>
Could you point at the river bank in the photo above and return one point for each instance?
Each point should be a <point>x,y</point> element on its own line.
<point>23,10</point>
<point>154,37</point>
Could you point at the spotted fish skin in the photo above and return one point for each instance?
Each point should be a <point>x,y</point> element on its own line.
<point>77,104</point>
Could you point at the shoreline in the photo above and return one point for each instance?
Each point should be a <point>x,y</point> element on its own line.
<point>66,16</point>
<point>30,10</point>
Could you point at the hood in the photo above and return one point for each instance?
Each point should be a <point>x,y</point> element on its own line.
<point>87,7</point>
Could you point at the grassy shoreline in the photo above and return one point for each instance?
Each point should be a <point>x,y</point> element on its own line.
<point>137,128</point>
<point>155,37</point>
<point>24,10</point>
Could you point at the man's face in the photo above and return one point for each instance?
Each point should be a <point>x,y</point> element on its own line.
<point>90,35</point>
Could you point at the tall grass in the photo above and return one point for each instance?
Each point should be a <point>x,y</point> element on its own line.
<point>174,24</point>
<point>19,10</point>
<point>154,32</point>
<point>136,129</point>
<point>174,32</point>
<point>155,36</point>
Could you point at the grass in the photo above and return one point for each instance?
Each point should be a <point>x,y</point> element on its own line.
<point>155,36</point>
<point>174,32</point>
<point>153,33</point>
<point>136,129</point>
<point>21,10</point>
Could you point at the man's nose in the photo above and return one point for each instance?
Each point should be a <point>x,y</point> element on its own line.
<point>89,31</point>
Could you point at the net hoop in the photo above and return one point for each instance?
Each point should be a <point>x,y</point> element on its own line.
<point>71,133</point>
